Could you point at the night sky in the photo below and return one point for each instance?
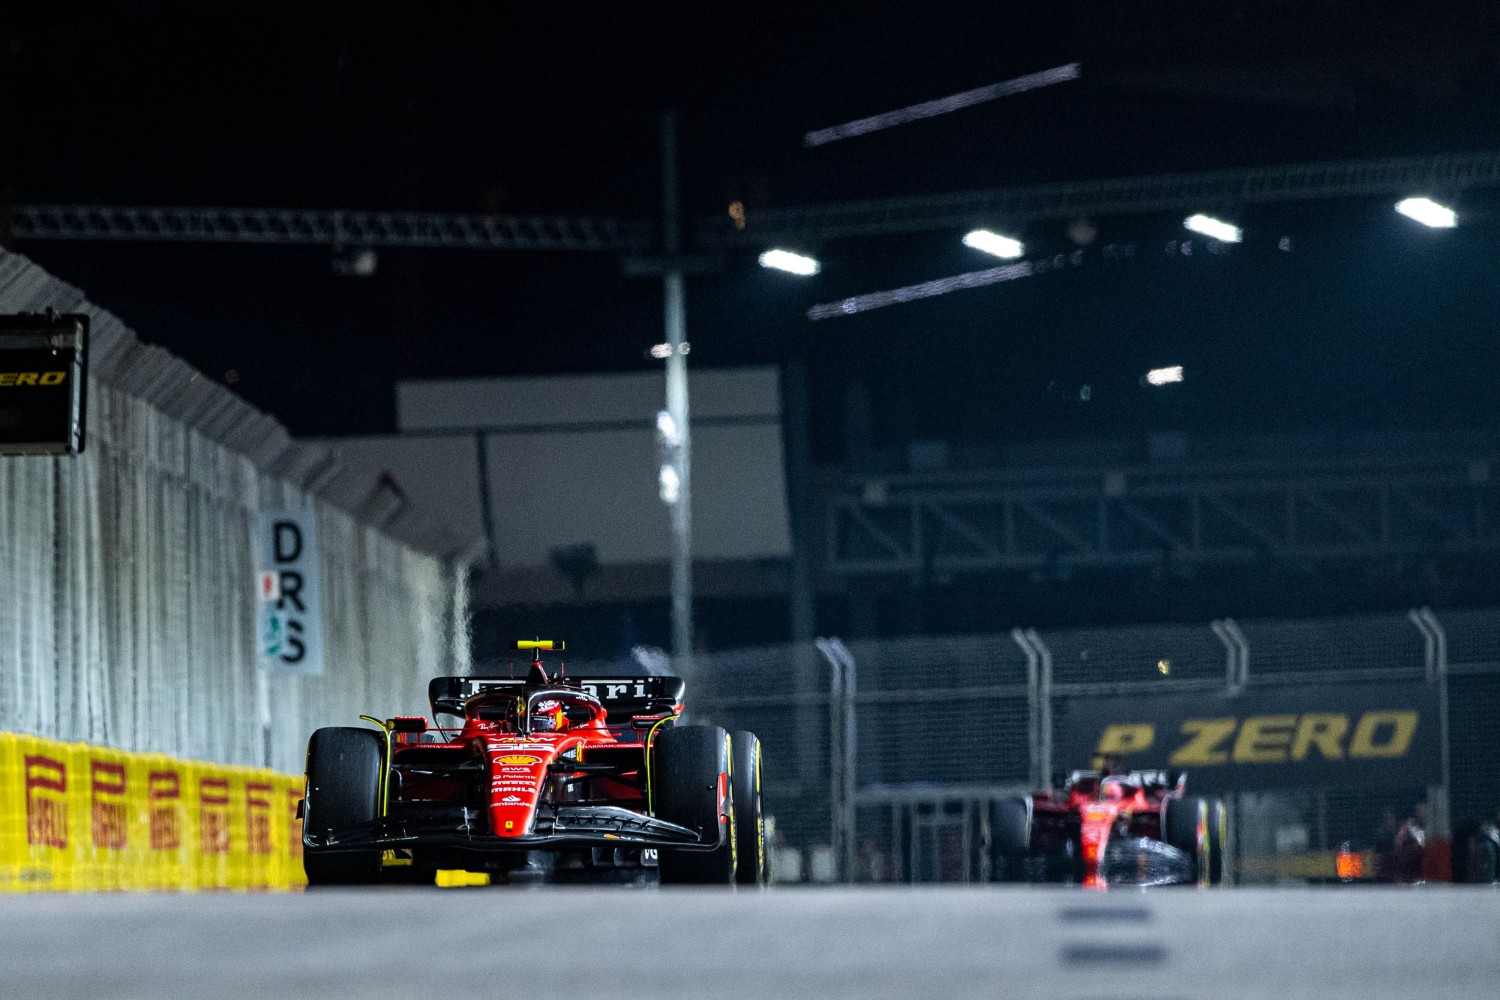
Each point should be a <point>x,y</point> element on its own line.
<point>1338,314</point>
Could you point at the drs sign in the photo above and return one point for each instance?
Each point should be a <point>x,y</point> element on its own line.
<point>291,610</point>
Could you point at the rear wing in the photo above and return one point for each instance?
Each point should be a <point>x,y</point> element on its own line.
<point>622,697</point>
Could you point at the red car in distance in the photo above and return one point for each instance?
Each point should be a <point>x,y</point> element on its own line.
<point>593,772</point>
<point>1138,828</point>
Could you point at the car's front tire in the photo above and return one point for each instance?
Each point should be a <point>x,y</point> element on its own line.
<point>690,765</point>
<point>1187,828</point>
<point>345,767</point>
<point>1010,837</point>
<point>1218,836</point>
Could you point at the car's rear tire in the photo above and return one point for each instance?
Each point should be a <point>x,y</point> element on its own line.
<point>1010,837</point>
<point>1218,837</point>
<point>687,765</point>
<point>751,863</point>
<point>1186,823</point>
<point>345,767</point>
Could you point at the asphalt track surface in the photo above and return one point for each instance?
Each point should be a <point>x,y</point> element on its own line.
<point>1418,943</point>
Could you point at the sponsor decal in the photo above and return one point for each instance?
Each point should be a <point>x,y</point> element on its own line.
<point>1273,739</point>
<point>518,760</point>
<point>32,378</point>
<point>258,816</point>
<point>509,799</point>
<point>108,820</point>
<point>46,807</point>
<point>213,816</point>
<point>1381,733</point>
<point>508,746</point>
<point>294,825</point>
<point>610,691</point>
<point>164,800</point>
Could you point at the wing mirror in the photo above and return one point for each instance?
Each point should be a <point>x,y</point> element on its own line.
<point>408,724</point>
<point>641,723</point>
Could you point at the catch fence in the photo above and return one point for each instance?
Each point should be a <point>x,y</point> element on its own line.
<point>882,755</point>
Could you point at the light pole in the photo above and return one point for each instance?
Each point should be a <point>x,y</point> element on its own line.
<point>678,444</point>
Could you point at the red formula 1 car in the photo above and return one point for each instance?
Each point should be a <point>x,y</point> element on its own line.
<point>1137,828</point>
<point>593,771</point>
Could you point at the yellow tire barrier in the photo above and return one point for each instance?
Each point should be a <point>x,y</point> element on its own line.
<point>75,817</point>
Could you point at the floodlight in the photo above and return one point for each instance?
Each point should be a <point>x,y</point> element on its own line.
<point>930,109</point>
<point>1163,376</point>
<point>925,290</point>
<point>1428,212</point>
<point>1218,229</point>
<point>994,243</point>
<point>667,428</point>
<point>670,484</point>
<point>793,263</point>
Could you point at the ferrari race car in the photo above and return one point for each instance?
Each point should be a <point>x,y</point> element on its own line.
<point>593,771</point>
<point>1137,828</point>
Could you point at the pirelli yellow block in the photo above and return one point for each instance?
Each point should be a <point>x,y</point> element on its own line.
<point>75,817</point>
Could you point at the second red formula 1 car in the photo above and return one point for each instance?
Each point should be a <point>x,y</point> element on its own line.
<point>593,772</point>
<point>1137,828</point>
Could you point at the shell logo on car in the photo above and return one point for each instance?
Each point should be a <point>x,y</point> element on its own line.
<point>520,760</point>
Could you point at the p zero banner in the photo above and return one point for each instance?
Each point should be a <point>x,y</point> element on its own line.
<point>291,608</point>
<point>1289,737</point>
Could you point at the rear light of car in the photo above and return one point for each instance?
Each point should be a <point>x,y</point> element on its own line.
<point>1348,864</point>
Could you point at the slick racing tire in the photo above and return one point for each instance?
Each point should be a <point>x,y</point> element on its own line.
<point>1218,836</point>
<point>344,769</point>
<point>690,764</point>
<point>1010,837</point>
<point>1186,827</point>
<point>751,864</point>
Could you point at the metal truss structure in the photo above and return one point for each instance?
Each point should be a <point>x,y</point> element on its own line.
<point>1434,175</point>
<point>1438,175</point>
<point>931,526</point>
<point>290,226</point>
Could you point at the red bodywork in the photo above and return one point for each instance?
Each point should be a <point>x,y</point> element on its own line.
<point>519,766</point>
<point>1091,812</point>
<point>534,764</point>
<point>1115,806</point>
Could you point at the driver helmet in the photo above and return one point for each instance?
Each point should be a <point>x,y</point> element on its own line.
<point>548,717</point>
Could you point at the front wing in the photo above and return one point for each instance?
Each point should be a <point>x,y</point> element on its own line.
<point>562,826</point>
